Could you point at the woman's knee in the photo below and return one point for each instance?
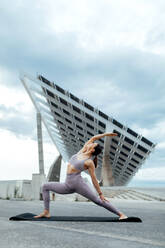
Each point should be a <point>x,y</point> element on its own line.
<point>44,187</point>
<point>98,201</point>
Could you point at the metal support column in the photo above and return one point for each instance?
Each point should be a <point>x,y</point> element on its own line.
<point>40,144</point>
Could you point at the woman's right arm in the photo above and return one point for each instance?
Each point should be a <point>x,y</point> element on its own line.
<point>96,137</point>
<point>99,136</point>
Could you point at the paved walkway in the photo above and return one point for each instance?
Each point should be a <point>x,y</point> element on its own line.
<point>126,193</point>
<point>149,234</point>
<point>135,193</point>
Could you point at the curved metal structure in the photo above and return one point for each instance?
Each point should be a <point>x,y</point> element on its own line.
<point>70,122</point>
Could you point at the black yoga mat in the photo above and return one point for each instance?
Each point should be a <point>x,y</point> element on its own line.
<point>29,216</point>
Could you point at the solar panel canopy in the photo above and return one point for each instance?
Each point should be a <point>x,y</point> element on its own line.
<point>71,121</point>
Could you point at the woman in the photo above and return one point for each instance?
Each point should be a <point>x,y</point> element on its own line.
<point>85,159</point>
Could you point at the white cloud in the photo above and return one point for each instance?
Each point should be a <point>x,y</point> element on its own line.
<point>151,174</point>
<point>161,145</point>
<point>156,132</point>
<point>19,156</point>
<point>103,24</point>
<point>5,75</point>
<point>17,112</point>
<point>14,97</point>
<point>97,25</point>
<point>93,29</point>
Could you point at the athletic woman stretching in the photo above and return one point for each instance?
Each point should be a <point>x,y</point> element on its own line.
<point>85,159</point>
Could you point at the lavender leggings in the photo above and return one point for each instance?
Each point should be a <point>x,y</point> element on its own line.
<point>74,183</point>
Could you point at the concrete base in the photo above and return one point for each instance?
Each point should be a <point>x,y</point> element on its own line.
<point>107,178</point>
<point>37,181</point>
<point>54,171</point>
<point>107,175</point>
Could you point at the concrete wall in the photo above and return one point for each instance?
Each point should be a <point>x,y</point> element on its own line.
<point>15,189</point>
<point>31,189</point>
<point>25,189</point>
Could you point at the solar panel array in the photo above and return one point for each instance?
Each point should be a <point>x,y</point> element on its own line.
<point>76,121</point>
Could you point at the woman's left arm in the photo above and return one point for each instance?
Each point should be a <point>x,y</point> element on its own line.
<point>91,170</point>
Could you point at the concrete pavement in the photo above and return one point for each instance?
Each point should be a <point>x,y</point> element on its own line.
<point>148,234</point>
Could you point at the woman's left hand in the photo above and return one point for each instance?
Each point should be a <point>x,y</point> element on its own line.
<point>103,198</point>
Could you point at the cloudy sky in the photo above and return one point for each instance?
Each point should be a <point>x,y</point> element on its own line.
<point>109,53</point>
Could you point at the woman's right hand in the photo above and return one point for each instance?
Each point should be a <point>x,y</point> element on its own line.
<point>112,134</point>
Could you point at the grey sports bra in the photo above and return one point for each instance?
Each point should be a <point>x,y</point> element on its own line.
<point>78,164</point>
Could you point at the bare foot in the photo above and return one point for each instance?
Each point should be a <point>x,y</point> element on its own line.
<point>44,214</point>
<point>123,216</point>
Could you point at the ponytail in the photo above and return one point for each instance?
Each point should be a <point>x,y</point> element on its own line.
<point>95,161</point>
